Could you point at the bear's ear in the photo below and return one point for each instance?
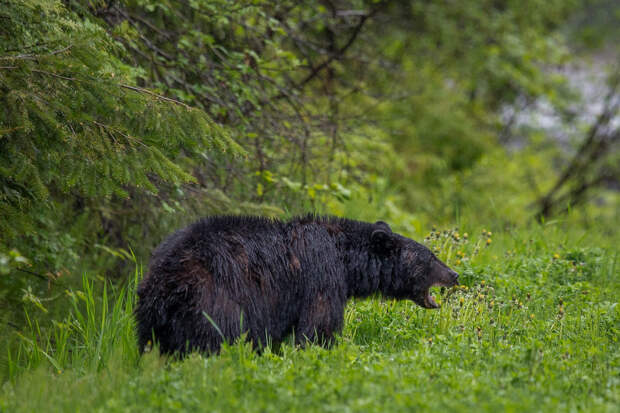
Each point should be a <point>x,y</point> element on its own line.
<point>383,225</point>
<point>382,241</point>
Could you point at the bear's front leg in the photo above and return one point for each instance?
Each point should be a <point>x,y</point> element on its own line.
<point>321,317</point>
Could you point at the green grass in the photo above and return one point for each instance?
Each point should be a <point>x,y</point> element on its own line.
<point>536,329</point>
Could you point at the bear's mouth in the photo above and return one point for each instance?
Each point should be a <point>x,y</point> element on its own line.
<point>429,300</point>
<point>439,275</point>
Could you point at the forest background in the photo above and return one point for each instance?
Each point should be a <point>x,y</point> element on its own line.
<point>121,121</point>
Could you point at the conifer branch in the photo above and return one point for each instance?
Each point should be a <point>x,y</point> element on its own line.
<point>34,56</point>
<point>158,96</point>
<point>122,85</point>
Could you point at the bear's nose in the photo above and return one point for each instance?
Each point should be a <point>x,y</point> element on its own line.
<point>455,277</point>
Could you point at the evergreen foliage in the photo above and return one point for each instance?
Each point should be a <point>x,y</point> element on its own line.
<point>75,125</point>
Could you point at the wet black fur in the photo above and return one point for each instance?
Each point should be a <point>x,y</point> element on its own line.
<point>270,278</point>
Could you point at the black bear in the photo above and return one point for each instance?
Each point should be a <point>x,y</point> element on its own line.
<point>228,275</point>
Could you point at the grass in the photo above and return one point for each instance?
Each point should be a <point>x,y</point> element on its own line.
<point>534,328</point>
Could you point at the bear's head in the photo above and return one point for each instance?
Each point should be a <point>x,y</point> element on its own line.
<point>415,268</point>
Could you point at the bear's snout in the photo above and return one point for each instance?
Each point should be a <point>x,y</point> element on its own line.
<point>442,275</point>
<point>455,277</point>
